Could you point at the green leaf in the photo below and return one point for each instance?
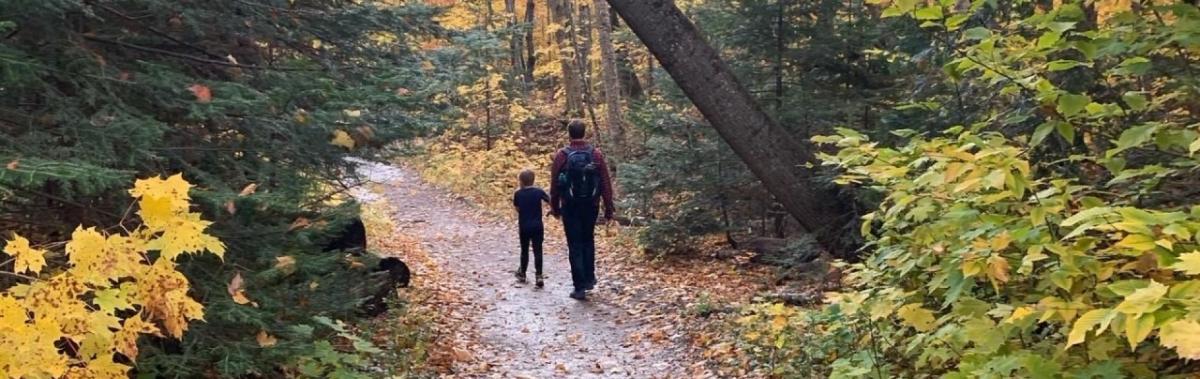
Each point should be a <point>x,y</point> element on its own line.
<point>1133,66</point>
<point>1066,131</point>
<point>1048,39</point>
<point>1133,137</point>
<point>1071,104</point>
<point>977,33</point>
<point>1135,100</point>
<point>1042,132</point>
<point>1086,215</point>
<point>933,12</point>
<point>1063,65</point>
<point>955,21</point>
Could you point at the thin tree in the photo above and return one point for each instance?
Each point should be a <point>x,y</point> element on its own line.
<point>530,56</point>
<point>561,15</point>
<point>608,75</point>
<point>581,40</point>
<point>516,57</point>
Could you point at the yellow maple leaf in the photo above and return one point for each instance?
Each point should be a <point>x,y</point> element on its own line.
<point>25,258</point>
<point>919,318</point>
<point>998,268</point>
<point>1019,314</point>
<point>341,138</point>
<point>1183,336</point>
<point>173,187</point>
<point>1188,263</point>
<point>125,340</point>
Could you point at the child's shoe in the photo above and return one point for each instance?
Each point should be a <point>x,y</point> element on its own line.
<point>539,282</point>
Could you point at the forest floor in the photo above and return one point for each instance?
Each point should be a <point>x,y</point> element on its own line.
<point>640,322</point>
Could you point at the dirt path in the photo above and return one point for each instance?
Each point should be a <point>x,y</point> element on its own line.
<point>522,332</point>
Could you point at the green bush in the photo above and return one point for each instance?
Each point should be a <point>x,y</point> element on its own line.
<point>1046,237</point>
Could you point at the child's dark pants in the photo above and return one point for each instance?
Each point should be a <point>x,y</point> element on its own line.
<point>531,236</point>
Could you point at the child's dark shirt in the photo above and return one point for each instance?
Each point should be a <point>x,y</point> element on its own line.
<point>528,201</point>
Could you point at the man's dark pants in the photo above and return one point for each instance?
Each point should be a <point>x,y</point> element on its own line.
<point>579,222</point>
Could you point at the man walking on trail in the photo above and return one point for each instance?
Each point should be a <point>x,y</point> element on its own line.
<point>579,180</point>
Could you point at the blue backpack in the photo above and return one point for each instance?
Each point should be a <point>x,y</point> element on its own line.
<point>579,180</point>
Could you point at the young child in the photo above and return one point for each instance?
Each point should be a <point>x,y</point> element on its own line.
<point>528,201</point>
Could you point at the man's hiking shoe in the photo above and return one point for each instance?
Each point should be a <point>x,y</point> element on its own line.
<point>520,277</point>
<point>539,283</point>
<point>578,295</point>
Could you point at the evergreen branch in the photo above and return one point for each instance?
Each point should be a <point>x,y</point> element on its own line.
<point>192,57</point>
<point>63,200</point>
<point>158,32</point>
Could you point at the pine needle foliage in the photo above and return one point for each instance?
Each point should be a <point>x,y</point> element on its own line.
<point>256,102</point>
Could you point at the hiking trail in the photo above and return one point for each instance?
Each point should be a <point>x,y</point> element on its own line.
<point>515,330</point>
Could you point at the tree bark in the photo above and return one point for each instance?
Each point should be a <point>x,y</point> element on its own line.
<point>516,57</point>
<point>560,13</point>
<point>608,76</point>
<point>582,41</point>
<point>775,157</point>
<point>530,57</point>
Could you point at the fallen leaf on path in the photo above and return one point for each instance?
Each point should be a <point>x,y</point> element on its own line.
<point>462,355</point>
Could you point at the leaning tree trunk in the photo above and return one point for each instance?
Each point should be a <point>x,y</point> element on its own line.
<point>608,76</point>
<point>775,157</point>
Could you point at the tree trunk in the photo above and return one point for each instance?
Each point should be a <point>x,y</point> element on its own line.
<point>560,13</point>
<point>583,31</point>
<point>608,76</point>
<point>779,47</point>
<point>631,87</point>
<point>775,157</point>
<point>530,57</point>
<point>516,57</point>
<point>487,85</point>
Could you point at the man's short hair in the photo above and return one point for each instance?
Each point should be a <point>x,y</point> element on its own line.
<point>526,178</point>
<point>576,128</point>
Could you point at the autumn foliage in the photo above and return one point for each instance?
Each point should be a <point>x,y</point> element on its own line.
<point>82,318</point>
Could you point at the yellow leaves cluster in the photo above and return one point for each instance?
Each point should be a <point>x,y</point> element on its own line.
<point>112,290</point>
<point>25,258</point>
